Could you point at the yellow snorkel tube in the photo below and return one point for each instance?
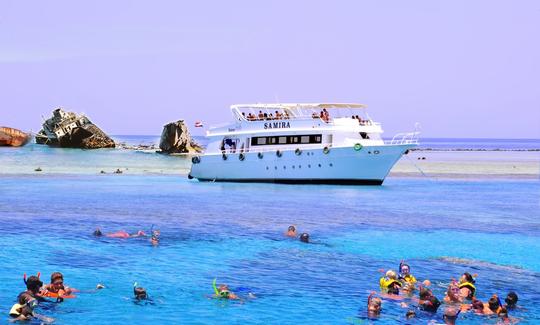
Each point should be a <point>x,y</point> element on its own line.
<point>215,288</point>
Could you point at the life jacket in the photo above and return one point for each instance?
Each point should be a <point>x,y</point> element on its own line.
<point>385,282</point>
<point>409,278</point>
<point>469,286</point>
<point>16,310</point>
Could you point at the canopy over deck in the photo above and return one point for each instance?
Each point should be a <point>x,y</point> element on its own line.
<point>297,106</point>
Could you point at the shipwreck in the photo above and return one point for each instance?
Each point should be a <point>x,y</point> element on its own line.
<point>71,130</point>
<point>11,137</point>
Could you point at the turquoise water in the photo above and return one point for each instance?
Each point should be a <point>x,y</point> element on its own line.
<point>235,232</point>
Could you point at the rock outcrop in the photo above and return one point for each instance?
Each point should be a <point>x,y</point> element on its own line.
<point>175,138</point>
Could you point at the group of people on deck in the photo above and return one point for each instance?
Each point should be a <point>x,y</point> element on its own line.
<point>460,297</point>
<point>266,116</point>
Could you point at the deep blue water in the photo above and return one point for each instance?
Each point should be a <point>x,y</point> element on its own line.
<point>235,232</point>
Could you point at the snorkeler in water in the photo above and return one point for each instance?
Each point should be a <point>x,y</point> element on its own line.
<point>28,300</point>
<point>57,288</point>
<point>223,292</point>
<point>405,275</point>
<point>389,281</point>
<point>291,231</point>
<point>139,292</point>
<point>304,237</point>
<point>450,315</point>
<point>119,234</point>
<point>467,289</point>
<point>155,237</point>
<point>374,305</point>
<point>453,293</point>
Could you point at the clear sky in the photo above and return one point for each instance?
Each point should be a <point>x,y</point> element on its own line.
<point>462,68</point>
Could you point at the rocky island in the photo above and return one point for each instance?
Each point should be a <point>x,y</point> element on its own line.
<point>175,139</point>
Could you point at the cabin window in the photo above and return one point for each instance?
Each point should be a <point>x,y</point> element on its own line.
<point>290,139</point>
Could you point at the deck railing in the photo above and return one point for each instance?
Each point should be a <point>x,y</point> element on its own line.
<point>404,138</point>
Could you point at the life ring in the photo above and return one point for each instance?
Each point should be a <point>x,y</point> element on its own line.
<point>358,147</point>
<point>298,152</point>
<point>279,153</point>
<point>241,157</point>
<point>196,160</point>
<point>260,155</point>
<point>224,156</point>
<point>326,150</point>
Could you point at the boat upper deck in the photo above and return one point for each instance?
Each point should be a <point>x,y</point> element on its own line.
<point>258,118</point>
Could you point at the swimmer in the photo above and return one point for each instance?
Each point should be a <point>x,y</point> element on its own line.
<point>374,305</point>
<point>467,290</point>
<point>28,300</point>
<point>511,300</point>
<point>57,286</point>
<point>493,305</point>
<point>428,302</point>
<point>223,292</point>
<point>477,306</point>
<point>304,237</point>
<point>410,314</point>
<point>155,237</point>
<point>291,232</point>
<point>453,293</point>
<point>389,281</point>
<point>450,315</point>
<point>119,234</point>
<point>405,273</point>
<point>139,292</point>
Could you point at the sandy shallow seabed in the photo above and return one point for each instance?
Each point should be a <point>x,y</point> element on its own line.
<point>469,164</point>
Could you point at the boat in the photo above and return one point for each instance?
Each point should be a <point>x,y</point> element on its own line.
<point>12,137</point>
<point>300,143</point>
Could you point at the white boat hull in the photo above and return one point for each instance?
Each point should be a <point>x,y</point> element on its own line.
<point>344,165</point>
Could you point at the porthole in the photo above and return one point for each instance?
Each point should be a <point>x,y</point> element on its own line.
<point>267,168</point>
<point>299,166</point>
<point>376,152</point>
<point>331,165</point>
<point>260,155</point>
<point>320,165</point>
<point>275,167</point>
<point>293,167</point>
<point>309,166</point>
<point>284,167</point>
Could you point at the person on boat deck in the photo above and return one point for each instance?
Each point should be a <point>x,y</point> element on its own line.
<point>405,273</point>
<point>304,237</point>
<point>389,280</point>
<point>286,115</point>
<point>27,300</point>
<point>477,306</point>
<point>278,115</point>
<point>467,289</point>
<point>315,115</point>
<point>261,116</point>
<point>57,285</point>
<point>265,115</point>
<point>119,234</point>
<point>326,115</point>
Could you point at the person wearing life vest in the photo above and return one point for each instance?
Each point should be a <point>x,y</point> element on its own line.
<point>27,300</point>
<point>405,273</point>
<point>467,290</point>
<point>389,281</point>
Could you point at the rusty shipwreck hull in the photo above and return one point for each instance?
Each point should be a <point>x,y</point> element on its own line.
<point>12,137</point>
